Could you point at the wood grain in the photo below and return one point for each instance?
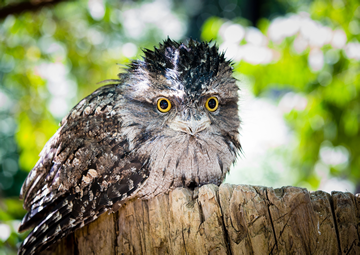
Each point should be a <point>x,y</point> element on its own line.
<point>230,219</point>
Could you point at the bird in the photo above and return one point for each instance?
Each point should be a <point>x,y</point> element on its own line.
<point>170,120</point>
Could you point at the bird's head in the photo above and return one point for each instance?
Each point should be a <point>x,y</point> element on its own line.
<point>183,97</point>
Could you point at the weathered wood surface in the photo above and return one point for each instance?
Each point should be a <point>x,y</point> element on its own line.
<point>230,219</point>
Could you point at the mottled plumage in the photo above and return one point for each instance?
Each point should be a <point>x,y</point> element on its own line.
<point>117,144</point>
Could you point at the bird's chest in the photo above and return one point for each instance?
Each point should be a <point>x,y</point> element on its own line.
<point>181,163</point>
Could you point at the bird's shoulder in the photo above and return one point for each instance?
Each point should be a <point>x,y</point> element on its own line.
<point>87,142</point>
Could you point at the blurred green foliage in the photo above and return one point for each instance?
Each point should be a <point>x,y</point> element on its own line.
<point>52,58</point>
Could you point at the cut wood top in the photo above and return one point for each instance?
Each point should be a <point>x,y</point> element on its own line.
<point>230,219</point>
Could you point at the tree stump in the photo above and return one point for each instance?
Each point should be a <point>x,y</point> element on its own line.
<point>230,219</point>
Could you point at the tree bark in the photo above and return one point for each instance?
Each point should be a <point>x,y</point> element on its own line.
<point>230,219</point>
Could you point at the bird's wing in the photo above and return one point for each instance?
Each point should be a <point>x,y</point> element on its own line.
<point>84,170</point>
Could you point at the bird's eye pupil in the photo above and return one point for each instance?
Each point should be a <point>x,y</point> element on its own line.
<point>163,104</point>
<point>212,103</point>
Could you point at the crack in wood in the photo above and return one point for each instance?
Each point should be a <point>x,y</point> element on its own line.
<point>116,229</point>
<point>335,222</point>
<point>271,221</point>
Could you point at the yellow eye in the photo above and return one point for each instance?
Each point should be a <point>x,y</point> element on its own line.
<point>212,104</point>
<point>163,105</point>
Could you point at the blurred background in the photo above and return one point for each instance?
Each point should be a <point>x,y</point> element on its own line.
<point>297,63</point>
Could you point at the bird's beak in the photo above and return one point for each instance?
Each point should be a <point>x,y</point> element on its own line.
<point>190,127</point>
